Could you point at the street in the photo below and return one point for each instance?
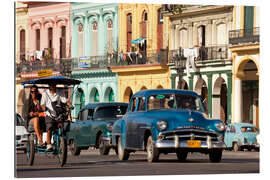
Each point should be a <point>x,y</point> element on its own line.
<point>90,163</point>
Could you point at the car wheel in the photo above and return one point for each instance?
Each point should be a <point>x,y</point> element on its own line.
<point>215,155</point>
<point>122,153</point>
<point>103,149</point>
<point>75,151</point>
<point>181,155</point>
<point>62,151</point>
<point>30,150</point>
<point>152,151</point>
<point>235,147</point>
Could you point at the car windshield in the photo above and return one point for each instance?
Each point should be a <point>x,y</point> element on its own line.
<point>175,101</point>
<point>110,112</point>
<point>19,121</point>
<point>249,129</point>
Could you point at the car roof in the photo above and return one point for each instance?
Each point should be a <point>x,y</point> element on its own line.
<point>243,124</point>
<point>102,104</point>
<point>149,92</point>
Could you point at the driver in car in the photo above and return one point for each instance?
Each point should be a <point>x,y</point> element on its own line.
<point>49,96</point>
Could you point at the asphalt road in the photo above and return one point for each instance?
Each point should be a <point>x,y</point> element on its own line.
<point>90,163</point>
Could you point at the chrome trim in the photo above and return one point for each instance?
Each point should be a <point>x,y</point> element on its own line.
<point>189,131</point>
<point>176,143</point>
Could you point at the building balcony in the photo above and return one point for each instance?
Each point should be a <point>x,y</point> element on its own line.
<point>125,60</point>
<point>62,66</point>
<point>208,55</point>
<point>244,36</point>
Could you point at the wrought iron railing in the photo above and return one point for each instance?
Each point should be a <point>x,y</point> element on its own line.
<point>120,60</point>
<point>63,66</point>
<point>244,36</point>
<point>207,53</point>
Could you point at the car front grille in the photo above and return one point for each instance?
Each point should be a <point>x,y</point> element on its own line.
<point>189,134</point>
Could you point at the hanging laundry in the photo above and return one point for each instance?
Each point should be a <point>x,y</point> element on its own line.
<point>190,54</point>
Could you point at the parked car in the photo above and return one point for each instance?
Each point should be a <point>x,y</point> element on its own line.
<point>168,121</point>
<point>240,136</point>
<point>94,125</point>
<point>21,133</point>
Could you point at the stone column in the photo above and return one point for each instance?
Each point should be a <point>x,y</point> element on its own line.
<point>229,98</point>
<point>209,77</point>
<point>238,102</point>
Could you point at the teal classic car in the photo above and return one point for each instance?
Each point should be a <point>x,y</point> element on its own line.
<point>93,127</point>
<point>240,136</point>
<point>168,121</point>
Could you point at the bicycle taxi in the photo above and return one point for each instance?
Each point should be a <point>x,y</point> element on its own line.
<point>59,139</point>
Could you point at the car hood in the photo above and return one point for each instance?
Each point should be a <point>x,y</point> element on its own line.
<point>179,119</point>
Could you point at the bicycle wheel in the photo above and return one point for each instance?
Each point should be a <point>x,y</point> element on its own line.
<point>30,150</point>
<point>62,151</point>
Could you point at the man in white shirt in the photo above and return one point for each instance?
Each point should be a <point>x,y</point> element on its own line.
<point>49,96</point>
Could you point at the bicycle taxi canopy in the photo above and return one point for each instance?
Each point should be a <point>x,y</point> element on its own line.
<point>61,80</point>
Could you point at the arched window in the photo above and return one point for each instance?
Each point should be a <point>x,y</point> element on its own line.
<point>37,39</point>
<point>80,40</point>
<point>159,30</point>
<point>183,38</point>
<point>96,97</point>
<point>201,35</point>
<point>144,25</point>
<point>50,37</point>
<point>63,42</point>
<point>109,36</point>
<point>95,38</point>
<point>111,96</point>
<point>22,44</point>
<point>129,31</point>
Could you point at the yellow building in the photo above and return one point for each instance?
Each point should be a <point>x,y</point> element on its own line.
<point>244,42</point>
<point>142,30</point>
<point>21,46</point>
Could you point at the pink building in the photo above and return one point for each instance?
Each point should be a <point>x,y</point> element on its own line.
<point>49,30</point>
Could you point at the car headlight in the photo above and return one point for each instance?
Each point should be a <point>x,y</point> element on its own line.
<point>220,126</point>
<point>109,126</point>
<point>162,125</point>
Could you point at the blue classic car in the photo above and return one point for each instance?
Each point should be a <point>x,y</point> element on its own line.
<point>241,136</point>
<point>93,127</point>
<point>168,121</point>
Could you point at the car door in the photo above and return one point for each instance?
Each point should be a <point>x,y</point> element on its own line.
<point>131,127</point>
<point>86,132</point>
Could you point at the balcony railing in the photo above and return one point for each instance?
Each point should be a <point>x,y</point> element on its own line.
<point>209,53</point>
<point>63,66</point>
<point>241,36</point>
<point>120,60</point>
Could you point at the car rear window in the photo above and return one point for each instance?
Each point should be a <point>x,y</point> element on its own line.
<point>109,112</point>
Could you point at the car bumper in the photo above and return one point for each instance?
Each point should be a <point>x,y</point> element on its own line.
<point>185,144</point>
<point>246,145</point>
<point>21,146</point>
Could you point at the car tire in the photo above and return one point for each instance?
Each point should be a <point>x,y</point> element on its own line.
<point>215,156</point>
<point>75,151</point>
<point>122,153</point>
<point>30,150</point>
<point>181,155</point>
<point>152,151</point>
<point>235,147</point>
<point>62,151</point>
<point>103,149</point>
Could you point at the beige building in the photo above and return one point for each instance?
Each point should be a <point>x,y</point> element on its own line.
<point>244,42</point>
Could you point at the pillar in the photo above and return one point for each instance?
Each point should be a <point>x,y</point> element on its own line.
<point>209,93</point>
<point>229,98</point>
<point>238,103</point>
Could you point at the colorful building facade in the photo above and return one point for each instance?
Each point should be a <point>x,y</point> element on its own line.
<point>204,29</point>
<point>94,39</point>
<point>245,46</point>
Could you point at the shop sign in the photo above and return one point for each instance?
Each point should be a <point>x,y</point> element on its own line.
<point>84,62</point>
<point>44,73</point>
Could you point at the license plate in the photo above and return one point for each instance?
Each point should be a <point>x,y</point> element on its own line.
<point>194,143</point>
